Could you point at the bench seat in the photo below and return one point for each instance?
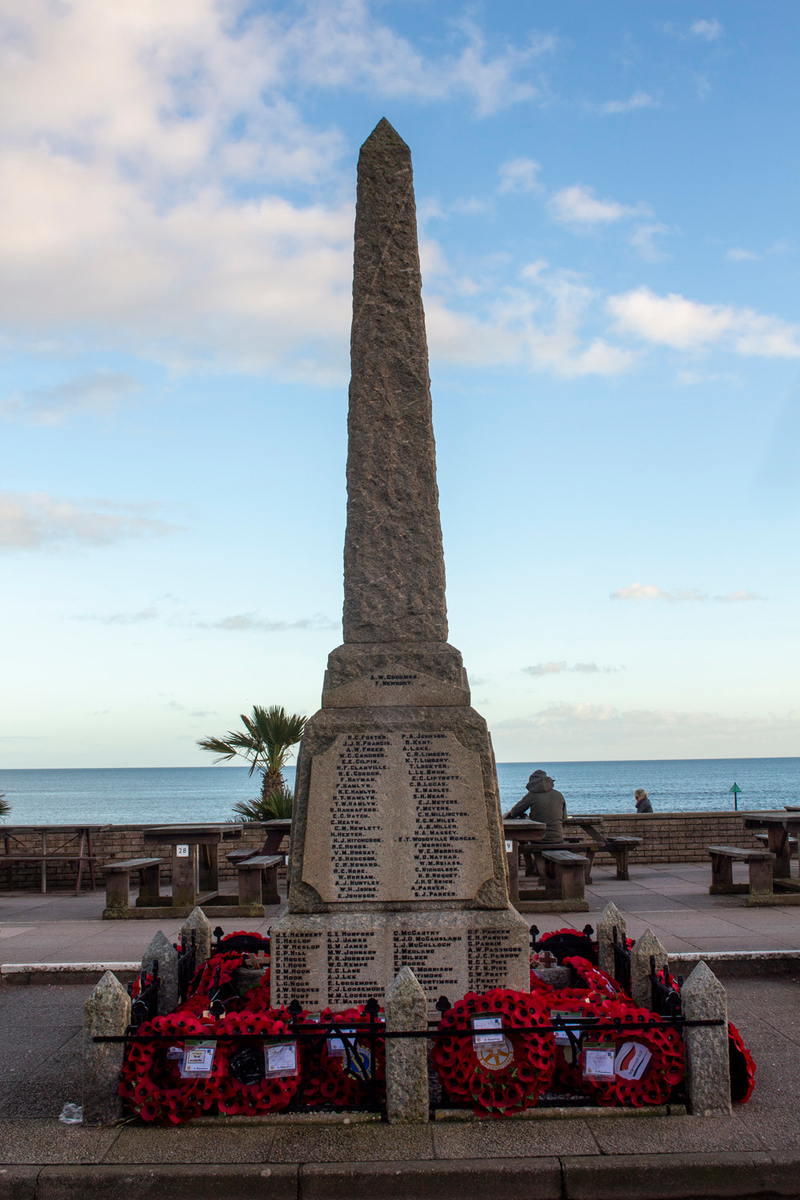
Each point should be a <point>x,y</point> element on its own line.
<point>258,879</point>
<point>118,882</point>
<point>532,851</point>
<point>565,873</point>
<point>760,871</point>
<point>619,847</point>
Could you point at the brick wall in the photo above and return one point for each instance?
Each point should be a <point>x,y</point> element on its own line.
<point>678,837</point>
<point>118,842</point>
<point>668,837</point>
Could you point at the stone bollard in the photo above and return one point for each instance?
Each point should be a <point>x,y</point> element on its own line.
<point>197,923</point>
<point>708,1075</point>
<point>406,1058</point>
<point>166,956</point>
<point>647,946</point>
<point>107,1013</point>
<point>609,918</point>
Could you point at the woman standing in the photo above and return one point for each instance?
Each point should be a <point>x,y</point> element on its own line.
<point>643,804</point>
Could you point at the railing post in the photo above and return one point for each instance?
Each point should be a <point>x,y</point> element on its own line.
<point>166,956</point>
<point>647,946</point>
<point>406,1058</point>
<point>708,1075</point>
<point>107,1013</point>
<point>609,917</point>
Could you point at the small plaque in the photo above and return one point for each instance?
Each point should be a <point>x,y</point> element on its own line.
<point>487,1030</point>
<point>280,1059</point>
<point>182,851</point>
<point>197,1061</point>
<point>509,846</point>
<point>598,1061</point>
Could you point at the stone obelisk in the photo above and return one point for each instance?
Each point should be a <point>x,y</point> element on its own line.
<point>397,855</point>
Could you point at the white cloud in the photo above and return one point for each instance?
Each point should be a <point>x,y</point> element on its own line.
<point>736,254</point>
<point>641,591</point>
<point>689,325</point>
<point>646,733</point>
<point>129,131</point>
<point>556,668</point>
<point>133,618</point>
<point>519,175</point>
<point>642,239</point>
<point>100,391</point>
<point>709,31</point>
<point>545,668</point>
<point>578,205</point>
<point>637,100</point>
<point>252,623</point>
<point>36,521</point>
<point>740,597</point>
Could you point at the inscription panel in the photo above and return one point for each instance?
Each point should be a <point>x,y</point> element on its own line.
<point>343,959</point>
<point>396,817</point>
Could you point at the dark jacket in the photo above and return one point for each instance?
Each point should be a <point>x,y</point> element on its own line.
<point>643,804</point>
<point>543,803</point>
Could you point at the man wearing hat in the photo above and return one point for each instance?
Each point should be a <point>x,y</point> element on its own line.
<point>543,803</point>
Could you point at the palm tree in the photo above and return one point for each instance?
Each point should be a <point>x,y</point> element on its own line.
<point>5,807</point>
<point>265,742</point>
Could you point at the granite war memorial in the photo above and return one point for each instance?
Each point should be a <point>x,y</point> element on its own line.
<point>397,853</point>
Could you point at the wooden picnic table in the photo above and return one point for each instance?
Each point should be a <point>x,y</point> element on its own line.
<point>275,831</point>
<point>195,858</point>
<point>592,826</point>
<point>82,855</point>
<point>780,826</point>
<point>515,831</point>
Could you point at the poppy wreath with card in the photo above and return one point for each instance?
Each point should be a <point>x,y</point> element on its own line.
<point>658,1051</point>
<point>150,1079</point>
<point>568,1075</point>
<point>243,1086</point>
<point>496,1077</point>
<point>342,1079</point>
<point>743,1067</point>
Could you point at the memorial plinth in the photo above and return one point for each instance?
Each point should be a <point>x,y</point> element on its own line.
<point>397,855</point>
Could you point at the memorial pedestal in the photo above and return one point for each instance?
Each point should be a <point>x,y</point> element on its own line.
<point>343,959</point>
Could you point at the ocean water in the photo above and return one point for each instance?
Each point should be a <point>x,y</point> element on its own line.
<point>166,795</point>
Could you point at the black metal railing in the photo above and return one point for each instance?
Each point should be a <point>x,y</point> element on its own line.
<point>352,1035</point>
<point>565,945</point>
<point>144,1005</point>
<point>666,996</point>
<point>187,959</point>
<point>622,961</point>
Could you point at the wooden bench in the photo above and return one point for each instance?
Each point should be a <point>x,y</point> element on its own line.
<point>118,882</point>
<point>564,873</point>
<point>759,863</point>
<point>619,846</point>
<point>258,879</point>
<point>533,851</point>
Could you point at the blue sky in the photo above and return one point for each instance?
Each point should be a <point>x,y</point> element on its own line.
<point>607,198</point>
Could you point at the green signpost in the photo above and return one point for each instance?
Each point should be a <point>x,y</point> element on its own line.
<point>736,790</point>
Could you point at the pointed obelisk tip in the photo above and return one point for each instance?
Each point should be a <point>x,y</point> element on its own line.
<point>383,136</point>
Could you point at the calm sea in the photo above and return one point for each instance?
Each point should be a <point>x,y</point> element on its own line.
<point>164,795</point>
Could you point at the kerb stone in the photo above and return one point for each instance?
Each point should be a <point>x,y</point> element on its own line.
<point>406,1058</point>
<point>107,1013</point>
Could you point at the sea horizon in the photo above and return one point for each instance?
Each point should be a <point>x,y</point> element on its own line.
<point>165,795</point>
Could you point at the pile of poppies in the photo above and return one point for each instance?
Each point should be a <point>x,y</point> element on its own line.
<point>235,1032</point>
<point>497,1052</point>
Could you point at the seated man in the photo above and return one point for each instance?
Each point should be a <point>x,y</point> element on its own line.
<point>543,803</point>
